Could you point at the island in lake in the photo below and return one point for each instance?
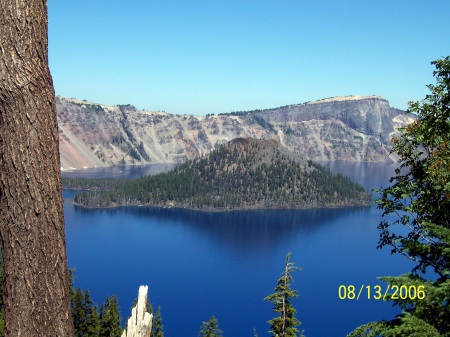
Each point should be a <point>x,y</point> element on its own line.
<point>244,173</point>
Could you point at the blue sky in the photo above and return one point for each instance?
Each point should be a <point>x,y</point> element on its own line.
<point>200,57</point>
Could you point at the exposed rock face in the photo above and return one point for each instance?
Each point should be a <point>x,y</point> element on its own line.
<point>140,322</point>
<point>370,115</point>
<point>354,128</point>
<point>342,128</point>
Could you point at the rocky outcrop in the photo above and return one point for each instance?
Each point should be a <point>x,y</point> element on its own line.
<point>353,128</point>
<point>140,322</point>
<point>369,115</point>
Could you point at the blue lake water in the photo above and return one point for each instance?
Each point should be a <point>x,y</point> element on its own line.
<point>200,264</point>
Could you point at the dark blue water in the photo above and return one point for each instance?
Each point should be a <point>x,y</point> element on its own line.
<point>201,264</point>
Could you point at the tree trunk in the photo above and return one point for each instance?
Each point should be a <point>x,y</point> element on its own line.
<point>35,273</point>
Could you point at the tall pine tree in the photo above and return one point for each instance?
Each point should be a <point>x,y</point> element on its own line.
<point>284,325</point>
<point>78,312</point>
<point>94,327</point>
<point>157,326</point>
<point>110,318</point>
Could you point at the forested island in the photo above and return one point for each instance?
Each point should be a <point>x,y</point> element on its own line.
<point>244,173</point>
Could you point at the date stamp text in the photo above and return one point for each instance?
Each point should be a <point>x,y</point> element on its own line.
<point>394,292</point>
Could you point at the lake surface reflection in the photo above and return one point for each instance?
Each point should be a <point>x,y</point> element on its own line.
<point>199,264</point>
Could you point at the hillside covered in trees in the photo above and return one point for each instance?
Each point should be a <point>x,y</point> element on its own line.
<point>243,174</point>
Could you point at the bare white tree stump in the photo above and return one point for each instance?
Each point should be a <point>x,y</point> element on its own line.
<point>140,322</point>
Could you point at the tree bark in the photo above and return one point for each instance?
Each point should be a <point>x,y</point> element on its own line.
<point>35,273</point>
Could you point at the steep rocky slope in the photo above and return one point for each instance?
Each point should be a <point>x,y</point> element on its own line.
<point>342,128</point>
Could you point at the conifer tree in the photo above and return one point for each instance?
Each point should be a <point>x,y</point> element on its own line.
<point>110,318</point>
<point>284,325</point>
<point>94,327</point>
<point>88,307</point>
<point>78,313</point>
<point>210,328</point>
<point>157,326</point>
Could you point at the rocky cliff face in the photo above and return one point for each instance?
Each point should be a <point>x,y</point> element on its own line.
<point>342,128</point>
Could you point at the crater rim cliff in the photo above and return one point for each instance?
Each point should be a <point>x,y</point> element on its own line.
<point>345,128</point>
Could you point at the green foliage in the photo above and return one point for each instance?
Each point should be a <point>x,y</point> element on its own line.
<point>420,199</point>
<point>245,173</point>
<point>142,151</point>
<point>110,318</point>
<point>405,325</point>
<point>157,326</point>
<point>266,125</point>
<point>88,321</point>
<point>210,328</point>
<point>288,130</point>
<point>95,107</point>
<point>134,154</point>
<point>118,139</point>
<point>284,325</point>
<point>94,327</point>
<point>235,113</point>
<point>79,313</point>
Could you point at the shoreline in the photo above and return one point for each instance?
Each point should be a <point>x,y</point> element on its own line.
<point>224,209</point>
